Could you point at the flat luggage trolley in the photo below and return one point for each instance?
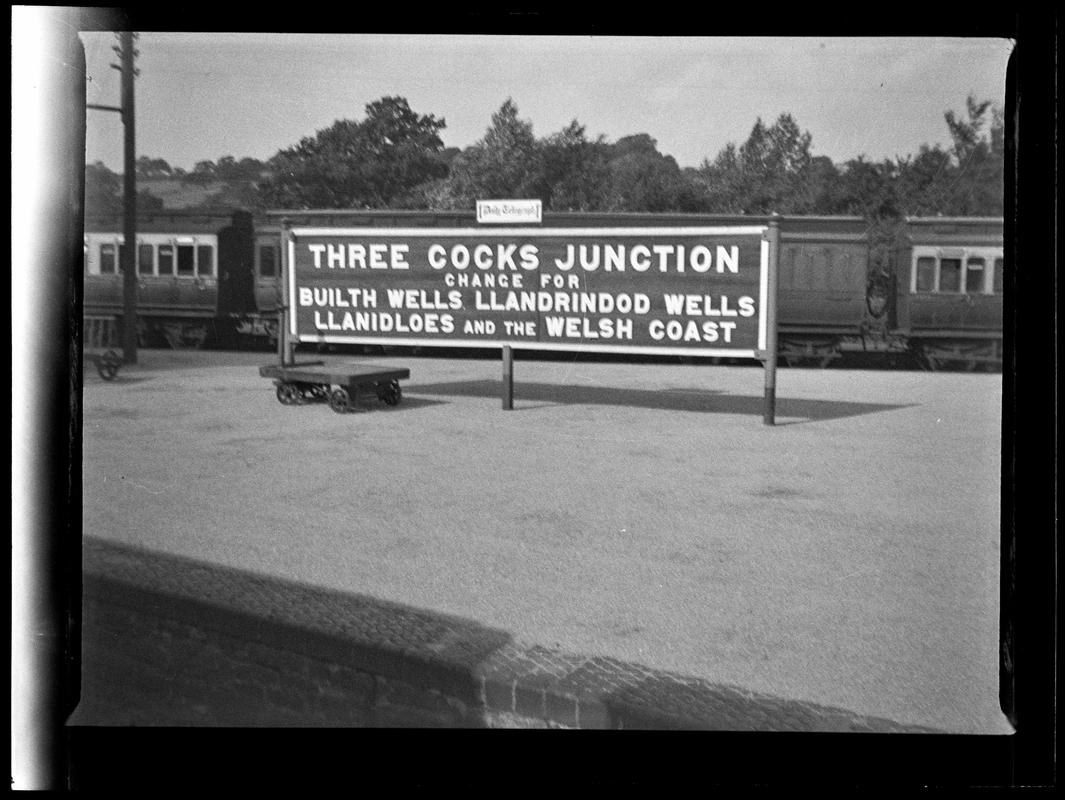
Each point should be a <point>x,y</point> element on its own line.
<point>310,383</point>
<point>107,364</point>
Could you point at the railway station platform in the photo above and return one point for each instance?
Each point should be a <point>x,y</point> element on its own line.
<point>628,547</point>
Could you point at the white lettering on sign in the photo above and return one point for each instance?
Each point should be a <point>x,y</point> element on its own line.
<point>696,305</point>
<point>383,322</point>
<point>356,256</point>
<point>337,298</point>
<point>583,328</point>
<point>691,331</point>
<point>660,258</point>
<point>483,257</point>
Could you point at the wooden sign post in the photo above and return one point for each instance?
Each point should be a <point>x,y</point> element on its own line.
<point>770,353</point>
<point>508,378</point>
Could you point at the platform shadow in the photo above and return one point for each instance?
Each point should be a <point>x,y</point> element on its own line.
<point>119,379</point>
<point>707,401</point>
<point>370,404</point>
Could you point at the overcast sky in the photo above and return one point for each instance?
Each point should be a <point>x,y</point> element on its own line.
<point>206,95</point>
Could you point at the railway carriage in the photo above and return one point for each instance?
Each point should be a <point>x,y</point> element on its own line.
<point>926,290</point>
<point>198,280</point>
<point>952,303</point>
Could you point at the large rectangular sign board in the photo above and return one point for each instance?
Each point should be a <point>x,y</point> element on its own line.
<point>700,291</point>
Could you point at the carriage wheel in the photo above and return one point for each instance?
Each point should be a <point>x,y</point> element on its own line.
<point>393,394</point>
<point>107,370</point>
<point>108,364</point>
<point>319,391</point>
<point>289,394</point>
<point>339,401</point>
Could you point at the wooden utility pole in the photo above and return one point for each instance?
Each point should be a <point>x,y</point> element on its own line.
<point>129,203</point>
<point>128,261</point>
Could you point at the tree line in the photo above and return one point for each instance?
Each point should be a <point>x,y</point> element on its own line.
<point>394,158</point>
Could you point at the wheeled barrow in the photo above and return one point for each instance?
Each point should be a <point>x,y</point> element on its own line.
<point>308,383</point>
<point>107,364</point>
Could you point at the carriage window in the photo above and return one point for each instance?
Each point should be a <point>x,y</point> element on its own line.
<point>998,276</point>
<point>267,261</point>
<point>926,274</point>
<point>186,264</point>
<point>145,259</point>
<point>166,259</point>
<point>974,275</point>
<point>950,275</point>
<point>205,260</point>
<point>107,260</point>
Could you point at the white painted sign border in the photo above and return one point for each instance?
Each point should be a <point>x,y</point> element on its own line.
<point>517,344</point>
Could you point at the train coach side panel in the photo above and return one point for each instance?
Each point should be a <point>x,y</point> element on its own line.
<point>821,285</point>
<point>953,281</point>
<point>965,313</point>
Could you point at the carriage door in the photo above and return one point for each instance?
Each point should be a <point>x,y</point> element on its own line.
<point>236,265</point>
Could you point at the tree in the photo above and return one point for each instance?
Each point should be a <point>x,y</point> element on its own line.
<point>640,178</point>
<point>979,181</point>
<point>770,171</point>
<point>375,163</point>
<point>147,167</point>
<point>574,170</point>
<point>103,193</point>
<point>505,163</point>
<point>202,172</point>
<point>867,189</point>
<point>103,190</point>
<point>924,181</point>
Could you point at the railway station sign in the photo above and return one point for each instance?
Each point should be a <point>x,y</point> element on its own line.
<point>664,290</point>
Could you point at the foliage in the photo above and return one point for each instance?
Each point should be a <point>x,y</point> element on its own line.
<point>504,163</point>
<point>103,193</point>
<point>394,158</point>
<point>375,163</point>
<point>103,190</point>
<point>153,168</point>
<point>573,170</point>
<point>643,179</point>
<point>770,172</point>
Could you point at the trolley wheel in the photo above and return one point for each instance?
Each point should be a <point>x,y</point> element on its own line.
<point>289,394</point>
<point>107,365</point>
<point>319,391</point>
<point>392,394</point>
<point>339,401</point>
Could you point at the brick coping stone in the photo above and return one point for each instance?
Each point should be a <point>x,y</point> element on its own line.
<point>509,681</point>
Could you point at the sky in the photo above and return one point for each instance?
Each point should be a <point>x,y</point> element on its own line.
<point>206,95</point>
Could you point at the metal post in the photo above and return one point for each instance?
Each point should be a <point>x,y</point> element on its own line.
<point>508,378</point>
<point>285,347</point>
<point>129,253</point>
<point>282,308</point>
<point>771,315</point>
<point>281,324</point>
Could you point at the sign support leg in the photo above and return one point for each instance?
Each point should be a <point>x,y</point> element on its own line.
<point>286,348</point>
<point>508,379</point>
<point>282,323</point>
<point>769,418</point>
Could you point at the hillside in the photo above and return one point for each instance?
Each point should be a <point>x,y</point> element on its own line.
<point>176,194</point>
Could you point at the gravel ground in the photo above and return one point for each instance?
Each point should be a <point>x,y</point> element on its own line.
<point>848,556</point>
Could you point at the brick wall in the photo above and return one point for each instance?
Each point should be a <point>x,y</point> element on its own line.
<point>175,642</point>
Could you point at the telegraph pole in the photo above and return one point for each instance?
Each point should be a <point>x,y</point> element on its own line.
<point>129,201</point>
<point>128,260</point>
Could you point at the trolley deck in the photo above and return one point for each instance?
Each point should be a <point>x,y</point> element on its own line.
<point>312,381</point>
